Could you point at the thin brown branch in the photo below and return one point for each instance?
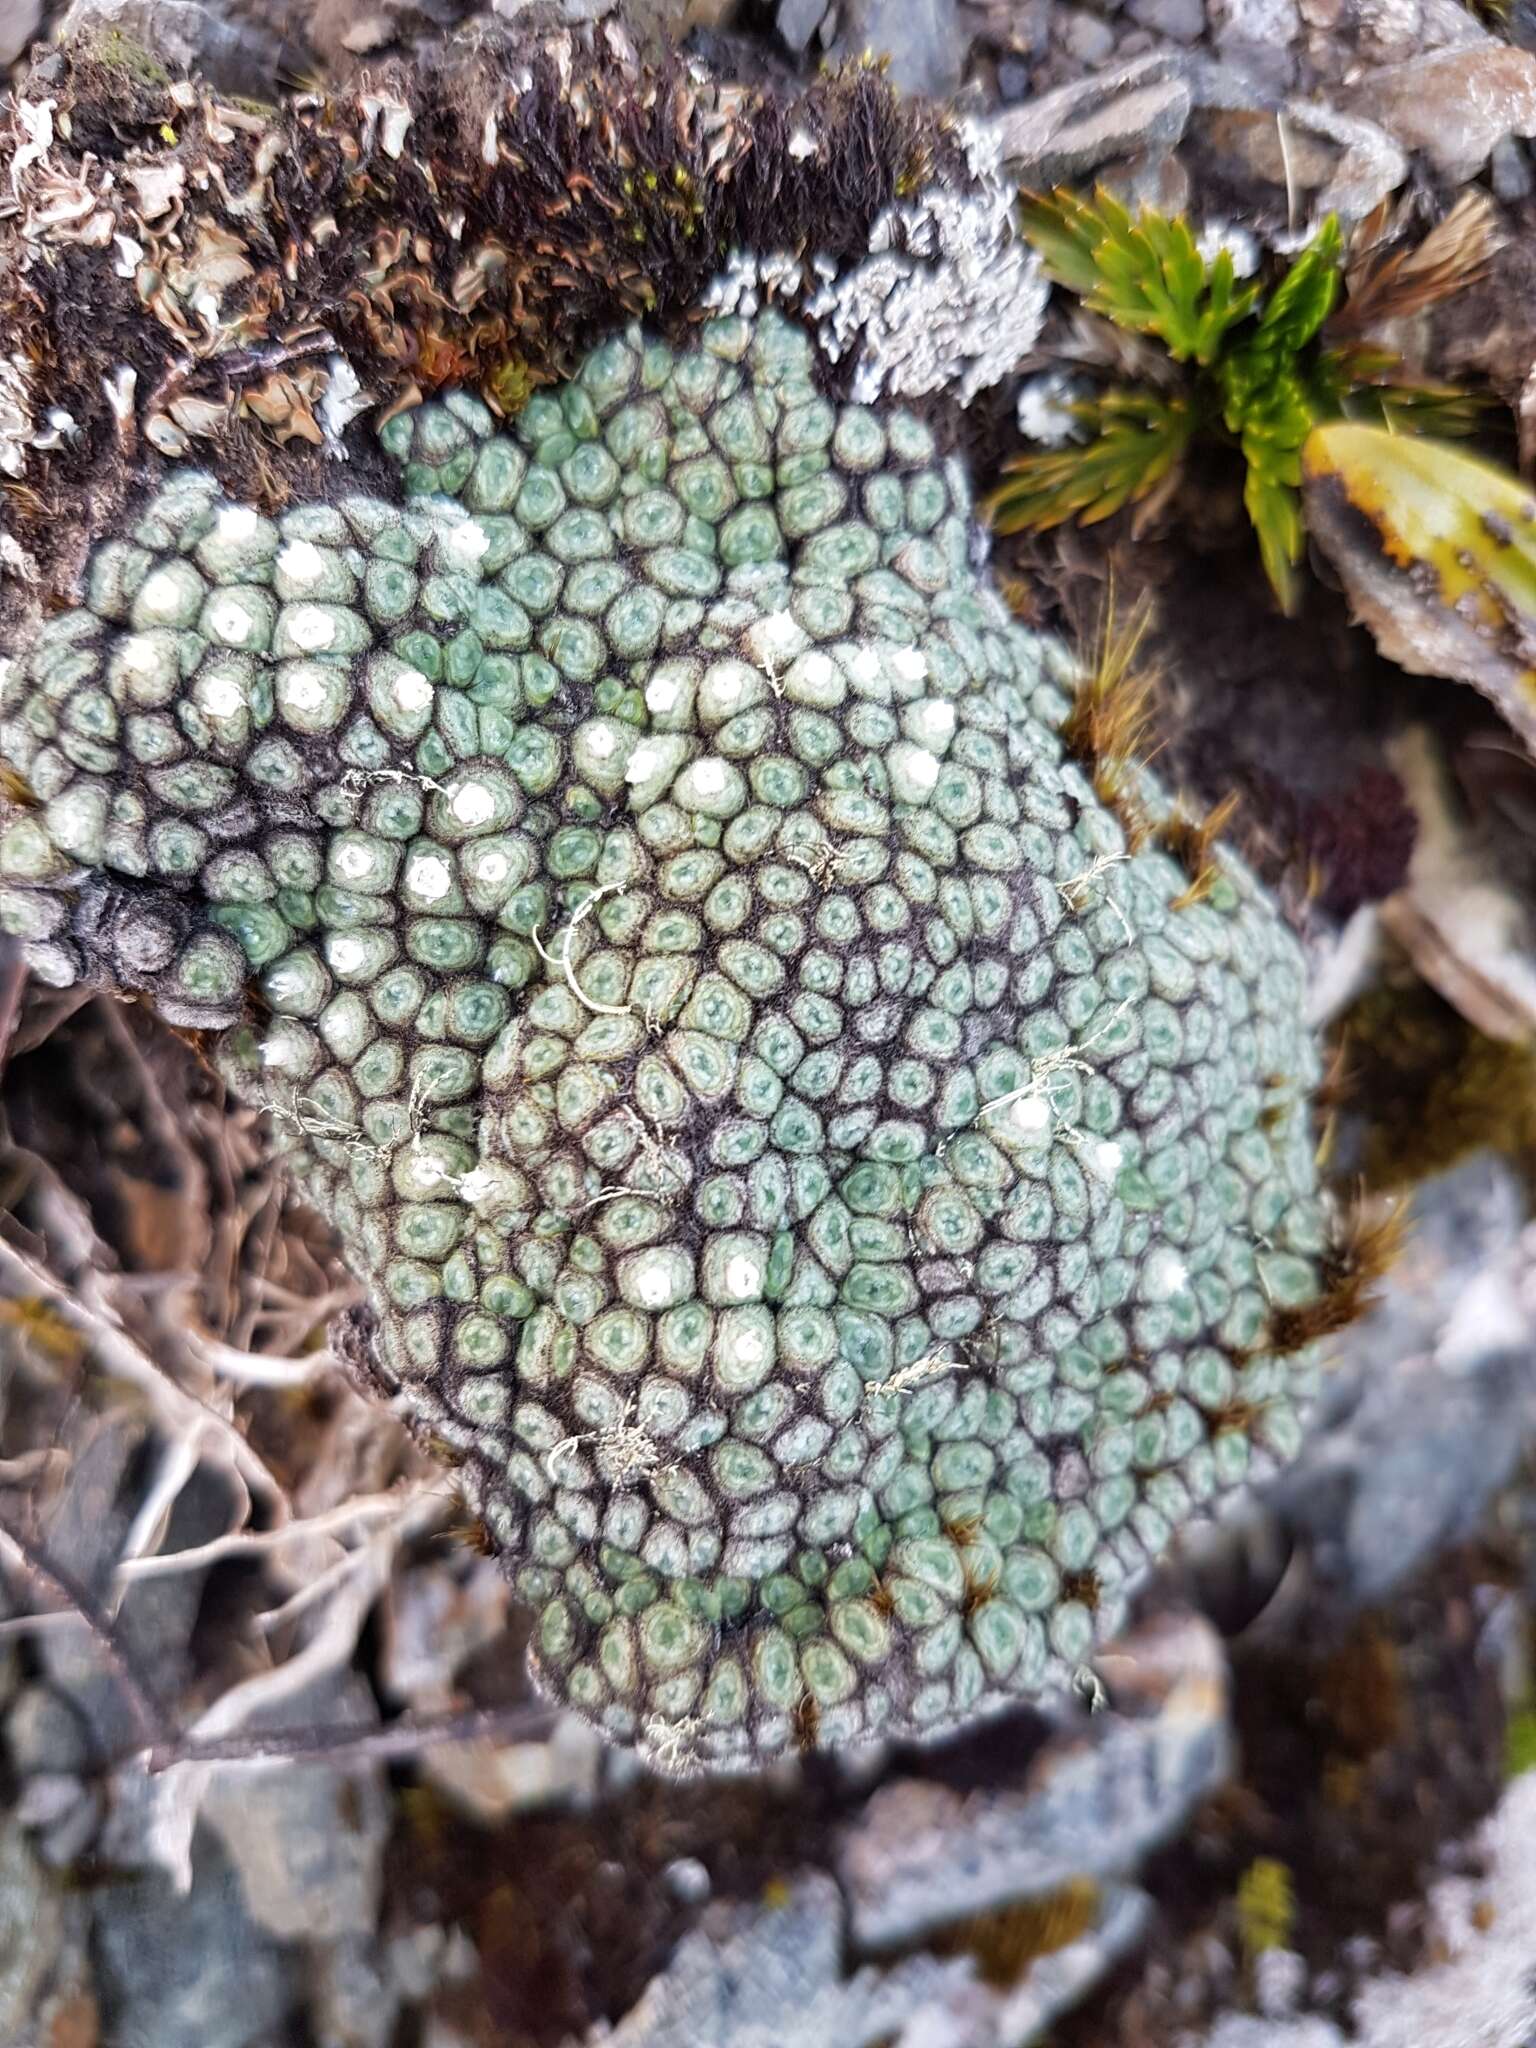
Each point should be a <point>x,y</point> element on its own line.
<point>403,1738</point>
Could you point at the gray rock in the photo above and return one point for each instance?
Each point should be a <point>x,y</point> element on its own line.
<point>1509,169</point>
<point>308,1841</point>
<point>747,1977</point>
<point>44,1733</point>
<point>1181,20</point>
<point>354,2000</point>
<point>797,21</point>
<point>20,21</point>
<point>1083,35</point>
<point>1453,106</point>
<point>1370,166</point>
<point>1069,132</point>
<point>1433,1399</point>
<point>31,1931</point>
<point>921,37</point>
<point>189,1970</point>
<point>1270,23</point>
<point>237,55</point>
<point>922,1854</point>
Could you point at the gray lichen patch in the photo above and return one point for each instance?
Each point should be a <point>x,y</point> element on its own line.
<point>829,1190</point>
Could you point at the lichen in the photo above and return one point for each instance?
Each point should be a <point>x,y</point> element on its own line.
<point>844,1206</point>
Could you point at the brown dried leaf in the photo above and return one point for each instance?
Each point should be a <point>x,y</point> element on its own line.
<point>1452,256</point>
<point>284,403</point>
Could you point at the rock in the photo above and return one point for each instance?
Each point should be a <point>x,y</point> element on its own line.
<point>307,1842</point>
<point>1452,105</point>
<point>1477,1985</point>
<point>921,38</point>
<point>1509,169</point>
<point>1371,164</point>
<point>1183,21</point>
<point>922,1854</point>
<point>236,52</point>
<point>20,21</point>
<point>1433,1398</point>
<point>1259,36</point>
<point>750,1977</point>
<point>189,1970</point>
<point>797,21</point>
<point>1067,133</point>
<point>31,1931</point>
<point>354,2001</point>
<point>1083,35</point>
<point>44,1733</point>
<point>1392,31</point>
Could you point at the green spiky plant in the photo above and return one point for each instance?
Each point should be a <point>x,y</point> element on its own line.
<point>1260,374</point>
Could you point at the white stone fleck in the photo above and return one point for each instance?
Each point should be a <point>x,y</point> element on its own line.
<point>709,776</point>
<point>1164,1275</point>
<point>236,524</point>
<point>653,1283</point>
<point>600,741</point>
<point>743,1277</point>
<point>161,593</point>
<point>345,953</point>
<point>231,621</point>
<point>1105,1158</point>
<point>644,761</point>
<point>492,866</point>
<point>1030,1114</point>
<point>301,562</point>
<point>411,690</point>
<point>467,542</point>
<point>310,627</point>
<point>354,861</point>
<point>933,721</point>
<point>866,665</point>
<point>473,803</point>
<point>428,877</point>
<point>221,696</point>
<point>303,689</point>
<point>660,694</point>
<point>910,663</point>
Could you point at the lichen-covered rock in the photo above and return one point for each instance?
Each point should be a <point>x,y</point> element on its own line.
<point>843,1204</point>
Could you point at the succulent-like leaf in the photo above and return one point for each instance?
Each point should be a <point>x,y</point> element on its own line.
<point>1305,296</point>
<point>1438,553</point>
<point>1137,440</point>
<point>1144,273</point>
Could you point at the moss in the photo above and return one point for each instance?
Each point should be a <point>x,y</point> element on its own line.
<point>1431,1089</point>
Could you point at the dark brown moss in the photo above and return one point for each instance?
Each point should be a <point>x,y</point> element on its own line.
<point>548,190</point>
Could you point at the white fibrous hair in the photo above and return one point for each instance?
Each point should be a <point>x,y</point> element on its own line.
<point>950,296</point>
